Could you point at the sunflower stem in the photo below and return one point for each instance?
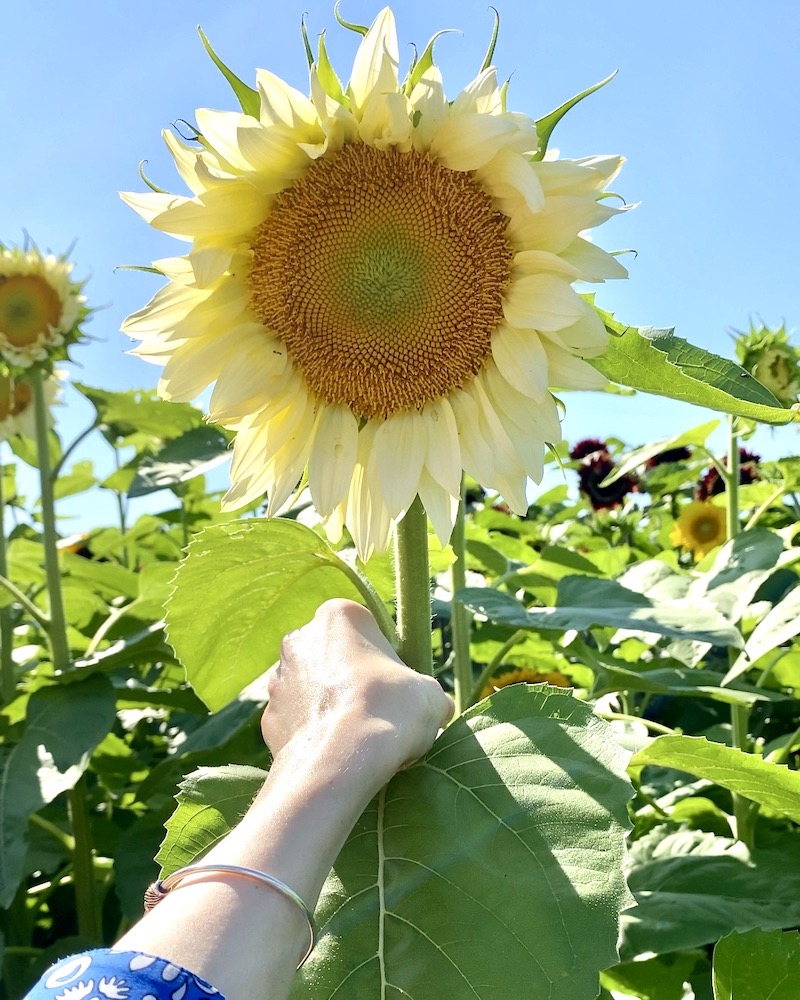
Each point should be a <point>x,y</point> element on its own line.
<point>7,673</point>
<point>740,714</point>
<point>459,616</point>
<point>82,855</point>
<point>371,598</point>
<point>413,588</point>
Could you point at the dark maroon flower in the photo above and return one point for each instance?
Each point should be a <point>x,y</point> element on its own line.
<point>670,455</point>
<point>591,474</point>
<point>587,447</point>
<point>711,482</point>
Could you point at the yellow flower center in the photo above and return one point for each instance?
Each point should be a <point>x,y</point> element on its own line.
<point>14,397</point>
<point>382,272</point>
<point>29,306</point>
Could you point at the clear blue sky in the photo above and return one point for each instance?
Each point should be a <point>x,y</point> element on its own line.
<point>705,108</point>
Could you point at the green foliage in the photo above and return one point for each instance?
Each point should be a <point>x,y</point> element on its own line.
<point>757,964</point>
<point>242,587</point>
<point>657,361</point>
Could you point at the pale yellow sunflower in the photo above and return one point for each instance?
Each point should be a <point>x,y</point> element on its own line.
<point>524,675</point>
<point>40,307</point>
<point>700,527</point>
<point>17,409</point>
<point>380,286</point>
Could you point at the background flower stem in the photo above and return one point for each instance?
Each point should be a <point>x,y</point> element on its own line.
<point>413,588</point>
<point>7,676</point>
<point>740,714</point>
<point>86,902</point>
<point>459,616</point>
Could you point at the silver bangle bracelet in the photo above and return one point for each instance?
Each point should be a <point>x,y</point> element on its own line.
<point>159,889</point>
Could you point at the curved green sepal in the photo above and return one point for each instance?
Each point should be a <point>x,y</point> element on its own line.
<point>147,181</point>
<point>360,29</point>
<point>546,125</point>
<point>247,97</point>
<point>487,59</point>
<point>424,62</point>
<point>306,43</point>
<point>658,362</point>
<point>331,83</point>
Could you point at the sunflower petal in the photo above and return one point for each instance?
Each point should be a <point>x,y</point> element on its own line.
<point>333,457</point>
<point>376,62</point>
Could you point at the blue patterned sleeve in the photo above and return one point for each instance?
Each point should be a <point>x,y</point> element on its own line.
<point>105,974</point>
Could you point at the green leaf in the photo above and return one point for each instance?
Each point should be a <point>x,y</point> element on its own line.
<point>657,361</point>
<point>583,602</point>
<point>777,627</point>
<point>79,479</point>
<point>211,801</point>
<point>139,411</point>
<point>757,965</point>
<point>192,454</point>
<point>248,98</point>
<point>330,82</point>
<point>25,449</point>
<point>546,125</point>
<point>771,785</point>
<point>489,57</point>
<point>657,979</point>
<point>64,725</point>
<point>677,682</point>
<point>692,887</point>
<point>631,460</point>
<point>360,29</point>
<point>240,589</point>
<point>489,833</point>
<point>521,803</point>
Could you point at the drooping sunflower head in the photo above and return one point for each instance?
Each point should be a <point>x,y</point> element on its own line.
<point>380,284</point>
<point>700,528</point>
<point>770,356</point>
<point>41,308</point>
<point>17,411</point>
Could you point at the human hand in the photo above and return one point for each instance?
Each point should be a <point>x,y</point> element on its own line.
<point>340,686</point>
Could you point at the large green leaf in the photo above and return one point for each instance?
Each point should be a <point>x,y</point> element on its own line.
<point>192,454</point>
<point>777,627</point>
<point>584,601</point>
<point>692,887</point>
<point>491,868</point>
<point>757,965</point>
<point>659,978</point>
<point>771,785</point>
<point>64,725</point>
<point>657,361</point>
<point>240,589</point>
<point>138,411</point>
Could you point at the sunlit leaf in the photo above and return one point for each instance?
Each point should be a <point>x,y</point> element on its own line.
<point>757,965</point>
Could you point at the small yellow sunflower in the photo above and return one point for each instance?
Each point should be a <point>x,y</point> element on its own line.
<point>40,307</point>
<point>380,286</point>
<point>524,675</point>
<point>700,527</point>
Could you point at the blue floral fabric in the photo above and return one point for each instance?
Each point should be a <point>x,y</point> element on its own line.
<point>120,975</point>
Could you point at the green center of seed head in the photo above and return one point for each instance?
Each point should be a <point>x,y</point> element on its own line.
<point>385,278</point>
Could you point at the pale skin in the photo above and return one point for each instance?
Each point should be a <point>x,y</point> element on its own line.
<point>344,715</point>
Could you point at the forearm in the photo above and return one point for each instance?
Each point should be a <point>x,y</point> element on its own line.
<point>243,937</point>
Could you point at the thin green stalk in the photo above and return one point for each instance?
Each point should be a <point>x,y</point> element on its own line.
<point>372,600</point>
<point>494,663</point>
<point>655,727</point>
<point>57,628</point>
<point>732,479</point>
<point>782,755</point>
<point>460,624</point>
<point>87,903</point>
<point>82,857</point>
<point>69,450</point>
<point>8,680</point>
<point>38,616</point>
<point>67,842</point>
<point>412,575</point>
<point>740,714</point>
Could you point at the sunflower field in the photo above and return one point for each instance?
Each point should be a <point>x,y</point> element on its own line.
<point>379,288</point>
